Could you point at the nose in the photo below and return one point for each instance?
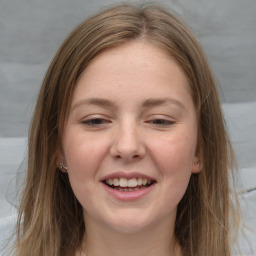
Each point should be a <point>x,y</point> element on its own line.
<point>127,143</point>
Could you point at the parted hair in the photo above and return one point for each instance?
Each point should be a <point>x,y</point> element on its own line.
<point>50,219</point>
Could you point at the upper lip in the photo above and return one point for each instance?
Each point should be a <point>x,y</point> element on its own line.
<point>127,175</point>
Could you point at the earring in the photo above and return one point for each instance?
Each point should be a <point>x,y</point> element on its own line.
<point>62,166</point>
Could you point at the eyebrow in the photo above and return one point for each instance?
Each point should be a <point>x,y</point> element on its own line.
<point>95,101</point>
<point>154,102</point>
<point>151,102</point>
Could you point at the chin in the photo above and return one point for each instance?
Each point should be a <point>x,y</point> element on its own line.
<point>128,223</point>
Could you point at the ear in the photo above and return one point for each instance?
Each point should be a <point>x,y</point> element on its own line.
<point>61,162</point>
<point>197,165</point>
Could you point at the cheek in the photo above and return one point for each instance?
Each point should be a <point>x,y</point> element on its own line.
<point>83,155</point>
<point>175,161</point>
<point>77,147</point>
<point>176,154</point>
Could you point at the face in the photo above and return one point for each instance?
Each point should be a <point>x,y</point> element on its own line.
<point>130,139</point>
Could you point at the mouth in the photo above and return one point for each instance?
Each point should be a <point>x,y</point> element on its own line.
<point>128,185</point>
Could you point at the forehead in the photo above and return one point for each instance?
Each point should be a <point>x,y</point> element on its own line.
<point>136,69</point>
<point>136,54</point>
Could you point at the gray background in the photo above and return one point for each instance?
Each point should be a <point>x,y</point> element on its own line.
<point>32,30</point>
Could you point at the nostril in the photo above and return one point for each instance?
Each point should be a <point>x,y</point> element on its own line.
<point>131,157</point>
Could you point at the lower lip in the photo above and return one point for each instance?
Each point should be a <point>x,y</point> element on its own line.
<point>129,195</point>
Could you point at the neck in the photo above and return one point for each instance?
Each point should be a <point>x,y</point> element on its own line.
<point>150,241</point>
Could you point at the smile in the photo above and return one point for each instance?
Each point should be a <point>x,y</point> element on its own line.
<point>128,185</point>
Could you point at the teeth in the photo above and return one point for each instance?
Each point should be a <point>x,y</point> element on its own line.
<point>116,182</point>
<point>132,183</point>
<point>123,182</point>
<point>144,181</point>
<point>127,189</point>
<point>128,183</point>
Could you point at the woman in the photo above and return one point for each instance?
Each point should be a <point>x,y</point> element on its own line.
<point>128,152</point>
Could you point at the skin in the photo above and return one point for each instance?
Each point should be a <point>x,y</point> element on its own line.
<point>121,120</point>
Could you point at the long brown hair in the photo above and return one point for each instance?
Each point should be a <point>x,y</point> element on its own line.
<point>50,217</point>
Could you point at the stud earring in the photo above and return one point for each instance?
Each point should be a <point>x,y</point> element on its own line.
<point>62,166</point>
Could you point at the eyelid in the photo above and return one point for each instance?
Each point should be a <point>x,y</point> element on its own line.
<point>167,119</point>
<point>88,120</point>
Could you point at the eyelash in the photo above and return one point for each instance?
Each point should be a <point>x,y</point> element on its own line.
<point>95,122</point>
<point>161,122</point>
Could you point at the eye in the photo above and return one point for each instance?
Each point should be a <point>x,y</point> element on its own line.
<point>160,122</point>
<point>95,122</point>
